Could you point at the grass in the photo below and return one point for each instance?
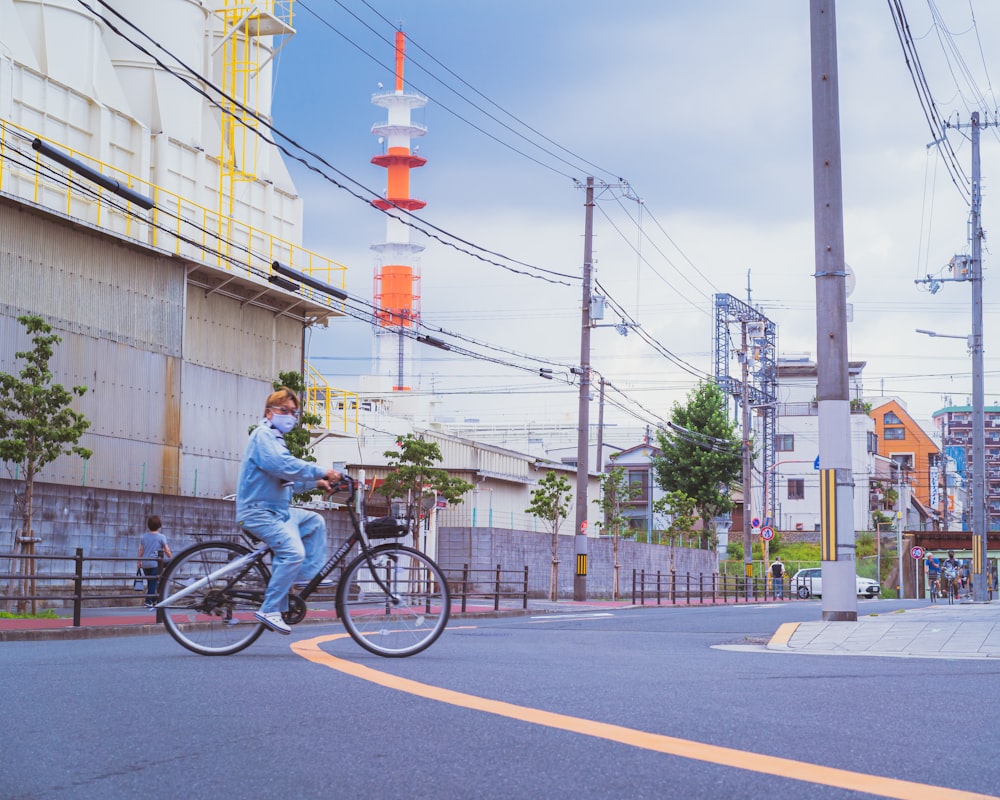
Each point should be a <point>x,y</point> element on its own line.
<point>48,613</point>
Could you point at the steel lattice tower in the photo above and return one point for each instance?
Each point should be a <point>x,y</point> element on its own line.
<point>762,387</point>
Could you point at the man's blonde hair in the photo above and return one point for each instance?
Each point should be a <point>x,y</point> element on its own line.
<point>282,395</point>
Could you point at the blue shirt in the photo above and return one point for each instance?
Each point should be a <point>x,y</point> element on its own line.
<point>150,544</point>
<point>270,475</point>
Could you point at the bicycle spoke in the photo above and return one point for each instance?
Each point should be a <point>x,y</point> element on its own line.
<point>403,620</point>
<point>217,618</point>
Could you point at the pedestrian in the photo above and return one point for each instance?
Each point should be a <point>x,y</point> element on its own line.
<point>778,577</point>
<point>932,568</point>
<point>152,546</point>
<point>269,477</point>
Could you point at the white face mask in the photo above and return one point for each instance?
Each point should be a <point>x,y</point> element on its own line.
<point>283,422</point>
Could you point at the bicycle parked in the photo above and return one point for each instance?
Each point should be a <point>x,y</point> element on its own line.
<point>392,599</point>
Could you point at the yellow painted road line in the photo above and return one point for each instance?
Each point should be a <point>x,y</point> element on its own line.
<point>724,756</point>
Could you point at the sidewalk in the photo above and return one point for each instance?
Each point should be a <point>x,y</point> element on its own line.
<point>138,621</point>
<point>959,631</point>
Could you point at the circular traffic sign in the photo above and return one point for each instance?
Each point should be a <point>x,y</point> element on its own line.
<point>755,522</point>
<point>767,532</point>
<point>917,551</point>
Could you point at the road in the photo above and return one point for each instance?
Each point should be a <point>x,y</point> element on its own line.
<point>643,703</point>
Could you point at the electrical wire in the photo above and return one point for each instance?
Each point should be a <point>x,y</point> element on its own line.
<point>436,233</point>
<point>934,120</point>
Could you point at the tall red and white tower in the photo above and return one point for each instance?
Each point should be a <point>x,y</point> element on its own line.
<point>397,274</point>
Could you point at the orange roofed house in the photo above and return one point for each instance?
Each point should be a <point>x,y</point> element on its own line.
<point>904,441</point>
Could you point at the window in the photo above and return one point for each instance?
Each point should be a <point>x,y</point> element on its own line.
<point>895,434</point>
<point>890,418</point>
<point>784,442</point>
<point>904,460</point>
<point>796,488</point>
<point>872,442</point>
<point>638,480</point>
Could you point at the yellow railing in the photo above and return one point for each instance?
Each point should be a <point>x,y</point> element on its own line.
<point>175,224</point>
<point>336,407</point>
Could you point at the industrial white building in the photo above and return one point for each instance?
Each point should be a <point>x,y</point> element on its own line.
<point>165,311</point>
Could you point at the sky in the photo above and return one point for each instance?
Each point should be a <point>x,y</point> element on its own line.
<point>704,110</point>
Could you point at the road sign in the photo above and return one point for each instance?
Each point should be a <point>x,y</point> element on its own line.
<point>755,522</point>
<point>917,552</point>
<point>767,532</point>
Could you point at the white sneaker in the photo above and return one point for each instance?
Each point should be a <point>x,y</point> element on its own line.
<point>273,621</point>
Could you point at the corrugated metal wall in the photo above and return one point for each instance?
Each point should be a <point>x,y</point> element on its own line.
<point>175,376</point>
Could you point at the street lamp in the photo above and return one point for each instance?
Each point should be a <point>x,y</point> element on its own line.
<point>980,548</point>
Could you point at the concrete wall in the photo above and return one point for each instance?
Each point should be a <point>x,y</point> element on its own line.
<point>108,523</point>
<point>484,548</point>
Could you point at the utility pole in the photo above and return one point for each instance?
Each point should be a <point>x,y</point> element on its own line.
<point>583,418</point>
<point>974,272</point>
<point>979,526</point>
<point>837,541</point>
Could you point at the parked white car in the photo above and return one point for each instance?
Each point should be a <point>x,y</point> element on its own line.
<point>809,582</point>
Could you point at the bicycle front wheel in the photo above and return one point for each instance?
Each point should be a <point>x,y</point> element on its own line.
<point>217,618</point>
<point>394,601</point>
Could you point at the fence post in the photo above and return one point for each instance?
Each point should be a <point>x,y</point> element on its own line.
<point>659,590</point>
<point>160,561</point>
<point>633,585</point>
<point>642,586</point>
<point>496,597</point>
<point>77,586</point>
<point>465,584</point>
<point>524,604</point>
<point>688,574</point>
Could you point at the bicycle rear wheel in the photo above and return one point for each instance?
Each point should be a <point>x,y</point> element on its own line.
<point>401,623</point>
<point>216,619</point>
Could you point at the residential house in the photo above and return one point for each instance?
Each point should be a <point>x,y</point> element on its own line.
<point>795,479</point>
<point>901,439</point>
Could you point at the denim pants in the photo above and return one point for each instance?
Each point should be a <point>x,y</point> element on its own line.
<point>151,582</point>
<point>779,587</point>
<point>298,543</point>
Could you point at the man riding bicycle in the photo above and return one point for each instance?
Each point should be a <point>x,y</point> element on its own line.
<point>950,569</point>
<point>269,477</point>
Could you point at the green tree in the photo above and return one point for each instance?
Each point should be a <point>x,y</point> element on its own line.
<point>683,514</point>
<point>413,478</point>
<point>37,425</point>
<point>550,502</point>
<point>616,491</point>
<point>700,454</point>
<point>681,509</point>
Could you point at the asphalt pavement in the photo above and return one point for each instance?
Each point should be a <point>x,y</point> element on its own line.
<point>958,631</point>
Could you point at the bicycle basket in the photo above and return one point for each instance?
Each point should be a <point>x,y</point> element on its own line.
<point>386,528</point>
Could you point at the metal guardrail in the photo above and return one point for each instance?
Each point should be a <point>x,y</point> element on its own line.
<point>495,583</point>
<point>659,588</point>
<point>75,581</point>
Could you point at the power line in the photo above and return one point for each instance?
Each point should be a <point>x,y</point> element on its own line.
<point>438,234</point>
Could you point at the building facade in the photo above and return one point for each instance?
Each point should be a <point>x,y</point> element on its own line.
<point>161,294</point>
<point>796,498</point>
<point>954,424</point>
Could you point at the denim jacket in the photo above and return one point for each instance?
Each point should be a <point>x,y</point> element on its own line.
<point>270,475</point>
